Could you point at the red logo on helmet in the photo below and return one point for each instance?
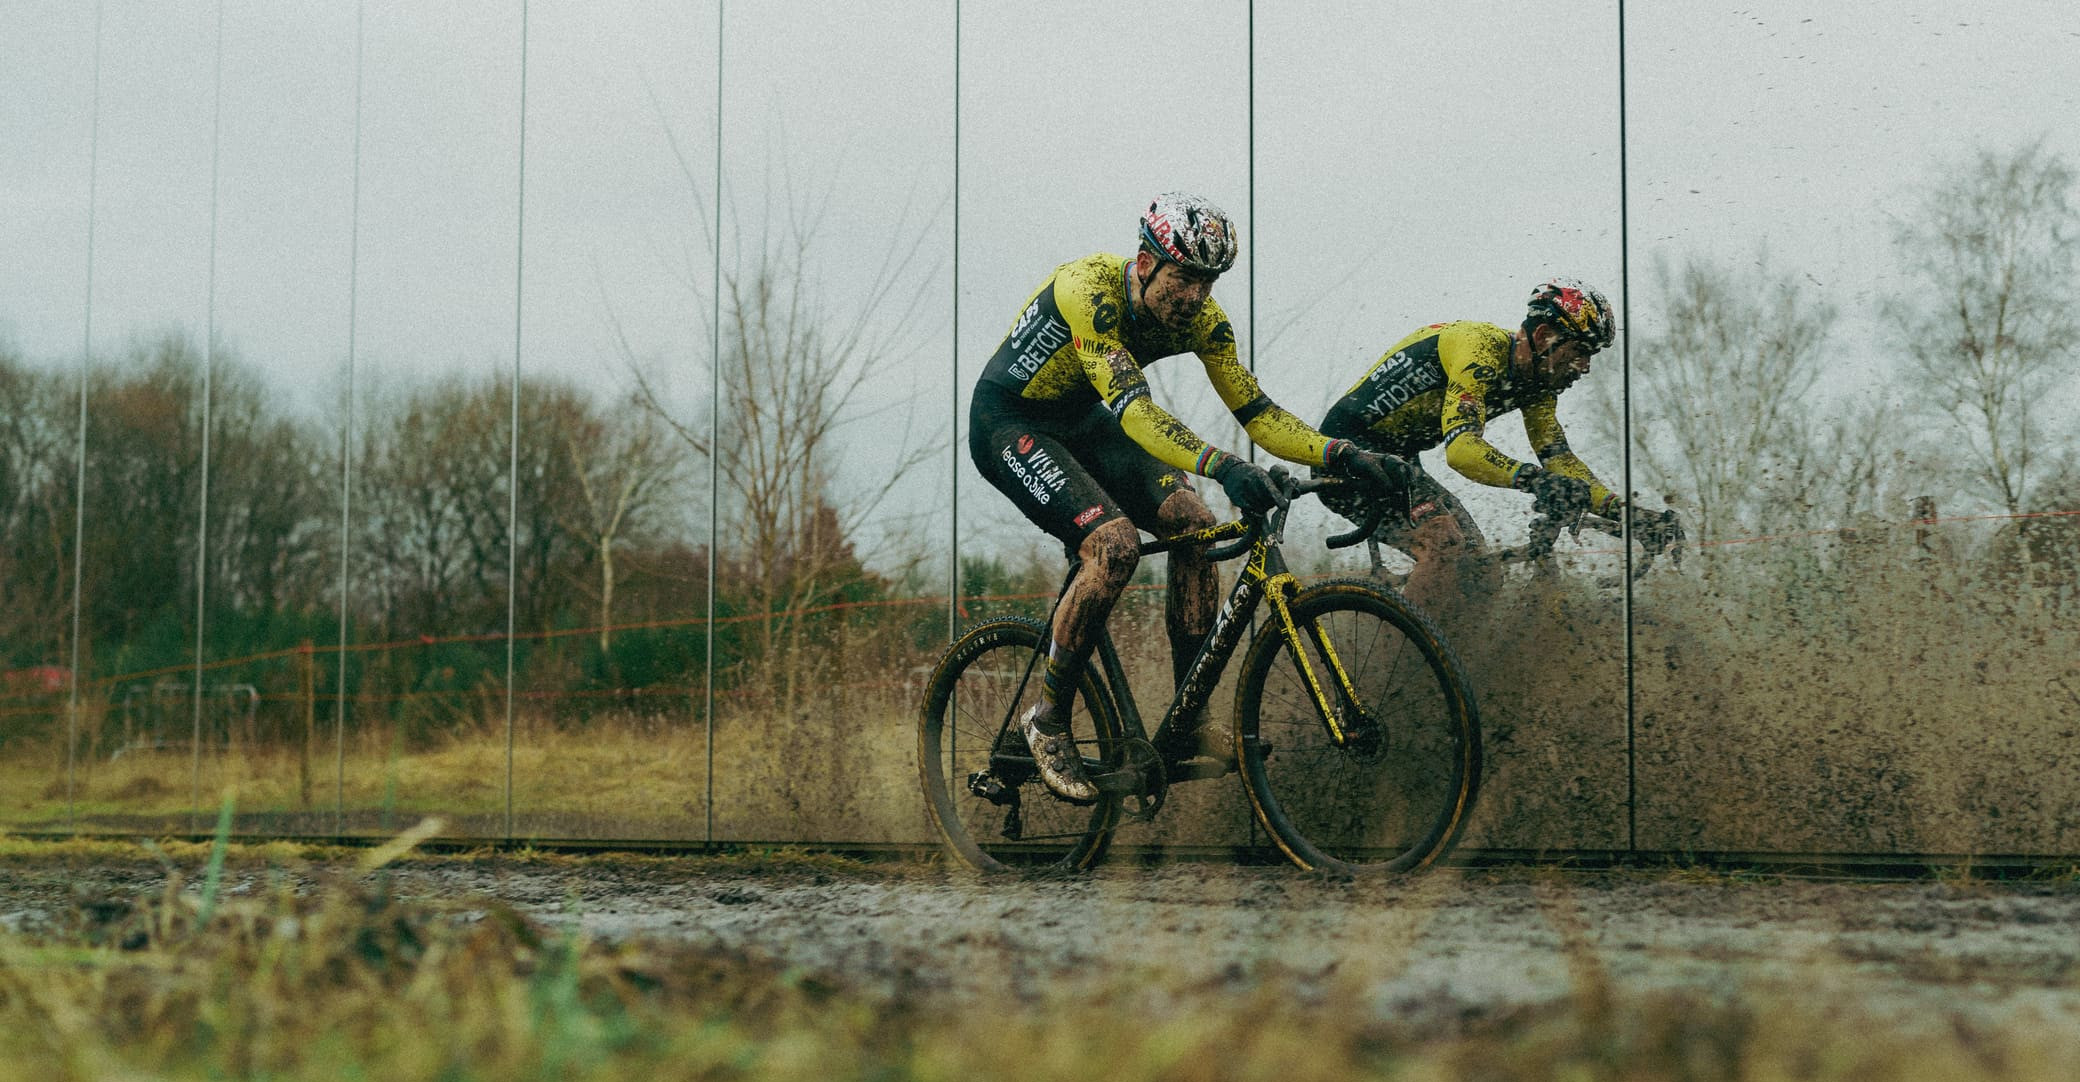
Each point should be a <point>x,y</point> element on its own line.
<point>1025,444</point>
<point>1570,300</point>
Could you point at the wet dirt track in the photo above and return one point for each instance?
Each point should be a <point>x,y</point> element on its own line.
<point>1445,948</point>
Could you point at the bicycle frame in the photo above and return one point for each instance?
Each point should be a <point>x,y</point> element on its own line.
<point>1263,575</point>
<point>1337,646</point>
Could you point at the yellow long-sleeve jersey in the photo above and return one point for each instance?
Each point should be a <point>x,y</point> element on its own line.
<point>1076,343</point>
<point>1440,385</point>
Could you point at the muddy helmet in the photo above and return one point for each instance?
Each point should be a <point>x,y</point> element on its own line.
<point>1579,312</point>
<point>1190,232</point>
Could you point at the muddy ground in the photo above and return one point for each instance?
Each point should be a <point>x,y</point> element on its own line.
<point>1448,948</point>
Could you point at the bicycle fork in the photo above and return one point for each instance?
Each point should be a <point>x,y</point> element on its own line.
<point>1337,718</point>
<point>1265,574</point>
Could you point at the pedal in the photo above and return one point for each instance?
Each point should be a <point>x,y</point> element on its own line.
<point>984,784</point>
<point>1146,767</point>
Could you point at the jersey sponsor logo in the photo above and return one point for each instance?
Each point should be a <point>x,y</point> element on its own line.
<point>1090,513</point>
<point>1034,340</point>
<point>1025,443</point>
<point>1105,316</point>
<point>1398,380</point>
<point>1222,334</point>
<point>1036,470</point>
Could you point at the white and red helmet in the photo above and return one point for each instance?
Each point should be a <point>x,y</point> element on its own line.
<point>1190,232</point>
<point>1580,313</point>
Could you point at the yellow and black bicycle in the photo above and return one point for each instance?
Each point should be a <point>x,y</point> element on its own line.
<point>1356,733</point>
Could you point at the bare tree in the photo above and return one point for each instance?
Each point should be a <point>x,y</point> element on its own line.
<point>625,470</point>
<point>437,510</point>
<point>1990,327</point>
<point>1723,396</point>
<point>38,432</point>
<point>798,378</point>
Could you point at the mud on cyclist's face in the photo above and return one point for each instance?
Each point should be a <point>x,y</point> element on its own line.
<point>1175,296</point>
<point>1563,364</point>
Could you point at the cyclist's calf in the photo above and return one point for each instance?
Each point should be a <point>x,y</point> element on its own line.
<point>1194,585</point>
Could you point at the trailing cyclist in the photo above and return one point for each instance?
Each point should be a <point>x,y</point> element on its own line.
<point>1062,423</point>
<point>1440,385</point>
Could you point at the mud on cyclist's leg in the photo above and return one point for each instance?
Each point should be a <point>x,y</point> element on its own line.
<point>1193,597</point>
<point>1106,560</point>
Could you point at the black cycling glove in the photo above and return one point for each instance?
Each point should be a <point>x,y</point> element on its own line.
<point>1385,474</point>
<point>1656,531</point>
<point>1553,493</point>
<point>1248,486</point>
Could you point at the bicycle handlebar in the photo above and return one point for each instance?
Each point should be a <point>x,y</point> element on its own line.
<point>1665,535</point>
<point>1273,521</point>
<point>1375,512</point>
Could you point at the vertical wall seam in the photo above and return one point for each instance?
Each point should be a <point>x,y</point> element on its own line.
<point>714,434</point>
<point>513,443</point>
<point>79,481</point>
<point>209,357</point>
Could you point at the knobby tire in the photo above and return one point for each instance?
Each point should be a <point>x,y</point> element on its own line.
<point>1397,799</point>
<point>965,704</point>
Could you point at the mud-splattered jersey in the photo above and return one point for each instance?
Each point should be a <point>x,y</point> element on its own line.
<point>1077,344</point>
<point>1439,386</point>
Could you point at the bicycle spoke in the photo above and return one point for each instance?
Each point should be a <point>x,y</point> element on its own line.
<point>975,690</point>
<point>1395,790</point>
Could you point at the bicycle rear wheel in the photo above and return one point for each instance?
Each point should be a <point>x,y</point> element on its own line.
<point>992,811</point>
<point>1395,793</point>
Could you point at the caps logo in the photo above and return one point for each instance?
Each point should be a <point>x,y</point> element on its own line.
<point>1084,518</point>
<point>1025,444</point>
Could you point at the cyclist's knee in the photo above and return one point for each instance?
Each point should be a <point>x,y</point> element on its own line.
<point>1438,538</point>
<point>1440,545</point>
<point>1182,512</point>
<point>1111,552</point>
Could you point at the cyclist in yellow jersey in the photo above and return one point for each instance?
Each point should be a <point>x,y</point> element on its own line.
<point>1062,423</point>
<point>1441,385</point>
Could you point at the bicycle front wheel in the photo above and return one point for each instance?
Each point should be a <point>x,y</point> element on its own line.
<point>1385,781</point>
<point>986,798</point>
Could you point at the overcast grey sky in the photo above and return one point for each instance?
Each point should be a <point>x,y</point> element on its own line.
<point>1411,163</point>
